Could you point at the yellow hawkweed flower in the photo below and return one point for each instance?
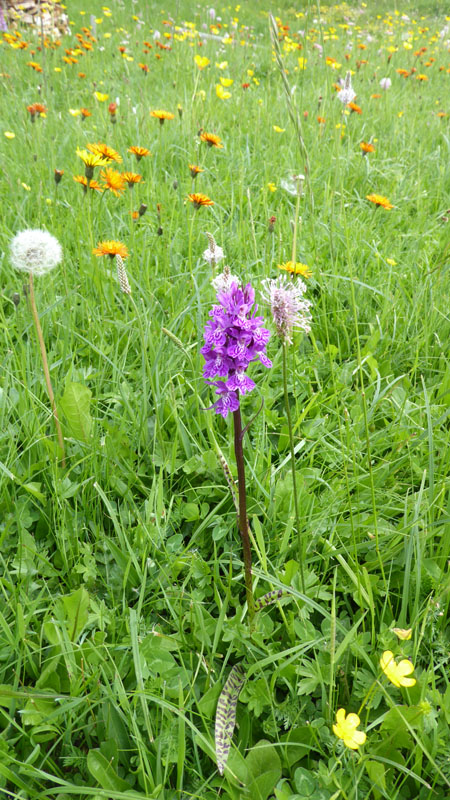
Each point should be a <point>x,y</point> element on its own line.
<point>345,729</point>
<point>297,269</point>
<point>102,98</point>
<point>397,672</point>
<point>92,159</point>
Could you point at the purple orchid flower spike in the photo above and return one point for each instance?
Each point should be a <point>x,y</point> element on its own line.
<point>234,337</point>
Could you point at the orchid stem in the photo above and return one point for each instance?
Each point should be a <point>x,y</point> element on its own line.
<point>242,515</point>
<point>48,382</point>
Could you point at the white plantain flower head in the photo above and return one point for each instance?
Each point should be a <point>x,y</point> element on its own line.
<point>223,281</point>
<point>347,94</point>
<point>214,253</point>
<point>290,310</point>
<point>35,251</point>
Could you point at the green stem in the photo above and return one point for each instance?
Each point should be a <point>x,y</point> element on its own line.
<point>48,382</point>
<point>297,209</point>
<point>294,479</point>
<point>242,515</point>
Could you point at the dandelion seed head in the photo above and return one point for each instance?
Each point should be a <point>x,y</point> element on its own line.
<point>35,251</point>
<point>347,93</point>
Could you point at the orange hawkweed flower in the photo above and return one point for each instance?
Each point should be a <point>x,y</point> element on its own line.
<point>34,65</point>
<point>58,173</point>
<point>105,151</point>
<point>111,249</point>
<point>112,108</point>
<point>375,96</point>
<point>403,72</point>
<point>131,178</point>
<point>211,139</point>
<point>354,108</point>
<point>139,152</point>
<point>81,179</point>
<point>200,200</point>
<point>162,115</point>
<point>113,181</point>
<point>421,77</point>
<point>194,170</point>
<point>379,200</point>
<point>81,74</point>
<point>321,120</point>
<point>85,113</point>
<point>36,108</point>
<point>144,67</point>
<point>367,147</point>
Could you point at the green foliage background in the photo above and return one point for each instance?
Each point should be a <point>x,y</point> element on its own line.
<point>122,576</point>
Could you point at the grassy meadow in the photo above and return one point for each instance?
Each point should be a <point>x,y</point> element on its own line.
<point>124,608</point>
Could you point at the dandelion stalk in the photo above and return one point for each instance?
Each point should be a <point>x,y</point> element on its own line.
<point>37,252</point>
<point>48,382</point>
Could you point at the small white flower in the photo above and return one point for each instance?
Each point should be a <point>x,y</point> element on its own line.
<point>385,83</point>
<point>347,95</point>
<point>35,251</point>
<point>156,35</point>
<point>224,280</point>
<point>213,254</point>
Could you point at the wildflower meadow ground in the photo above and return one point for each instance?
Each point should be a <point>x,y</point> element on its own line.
<point>224,401</point>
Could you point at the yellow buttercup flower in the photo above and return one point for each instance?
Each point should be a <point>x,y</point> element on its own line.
<point>201,61</point>
<point>102,98</point>
<point>277,129</point>
<point>397,673</point>
<point>221,93</point>
<point>403,633</point>
<point>226,82</point>
<point>10,135</point>
<point>271,186</point>
<point>345,729</point>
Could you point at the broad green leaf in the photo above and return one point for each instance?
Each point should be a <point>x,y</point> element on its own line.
<point>76,607</point>
<point>264,769</point>
<point>104,773</point>
<point>75,404</point>
<point>377,774</point>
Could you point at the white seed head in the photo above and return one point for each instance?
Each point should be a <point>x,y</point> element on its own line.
<point>35,251</point>
<point>122,275</point>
